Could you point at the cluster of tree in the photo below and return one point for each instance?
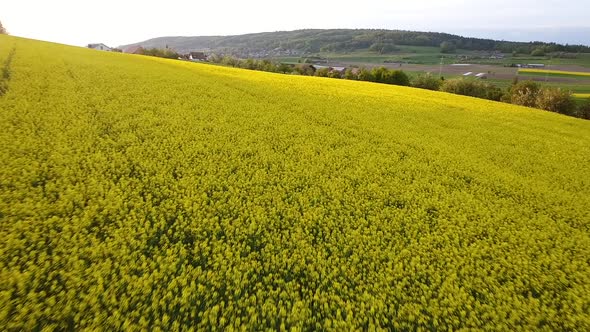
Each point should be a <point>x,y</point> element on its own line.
<point>473,88</point>
<point>382,75</point>
<point>447,47</point>
<point>526,93</point>
<point>378,74</point>
<point>252,64</point>
<point>532,94</point>
<point>161,53</point>
<point>346,40</point>
<point>3,30</point>
<point>556,50</point>
<point>383,48</point>
<point>584,110</point>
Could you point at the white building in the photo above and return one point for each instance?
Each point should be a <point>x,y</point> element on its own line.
<point>100,47</point>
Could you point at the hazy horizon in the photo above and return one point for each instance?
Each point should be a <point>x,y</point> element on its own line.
<point>567,36</point>
<point>119,23</point>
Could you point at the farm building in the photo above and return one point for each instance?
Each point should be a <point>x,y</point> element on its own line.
<point>330,69</point>
<point>100,47</point>
<point>531,65</point>
<point>197,56</point>
<point>468,73</point>
<point>318,67</point>
<point>482,76</point>
<point>338,69</point>
<point>136,49</point>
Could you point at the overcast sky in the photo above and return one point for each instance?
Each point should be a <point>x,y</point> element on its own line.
<point>117,22</point>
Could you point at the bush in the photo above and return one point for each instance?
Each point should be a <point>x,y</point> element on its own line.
<point>304,69</point>
<point>493,92</point>
<point>463,87</point>
<point>349,74</point>
<point>538,52</point>
<point>249,64</point>
<point>383,48</point>
<point>473,88</point>
<point>334,74</point>
<point>230,61</point>
<point>395,77</point>
<point>322,72</point>
<point>365,75</point>
<point>524,93</point>
<point>427,82</point>
<point>267,65</point>
<point>531,94</point>
<point>379,74</point>
<point>447,47</point>
<point>556,100</point>
<point>161,53</point>
<point>583,110</point>
<point>398,77</point>
<point>284,68</point>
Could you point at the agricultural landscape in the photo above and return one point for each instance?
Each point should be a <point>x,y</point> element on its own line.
<point>415,53</point>
<point>147,194</point>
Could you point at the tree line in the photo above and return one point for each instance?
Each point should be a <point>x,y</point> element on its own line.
<point>348,40</point>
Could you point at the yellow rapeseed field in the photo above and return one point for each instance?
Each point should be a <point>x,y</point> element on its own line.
<point>550,71</point>
<point>146,194</point>
<point>582,95</point>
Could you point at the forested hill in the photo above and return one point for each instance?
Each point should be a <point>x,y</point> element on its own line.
<point>346,40</point>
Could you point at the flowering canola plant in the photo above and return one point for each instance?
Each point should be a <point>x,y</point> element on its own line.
<point>139,193</point>
<point>551,71</point>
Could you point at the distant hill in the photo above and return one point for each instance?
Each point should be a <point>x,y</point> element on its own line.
<point>345,40</point>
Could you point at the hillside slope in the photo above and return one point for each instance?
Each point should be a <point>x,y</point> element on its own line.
<point>343,40</point>
<point>142,193</point>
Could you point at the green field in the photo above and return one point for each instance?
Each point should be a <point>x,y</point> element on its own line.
<point>575,88</point>
<point>405,54</point>
<point>580,60</point>
<point>431,55</point>
<point>139,193</point>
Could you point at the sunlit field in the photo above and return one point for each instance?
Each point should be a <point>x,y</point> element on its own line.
<point>554,72</point>
<point>139,193</point>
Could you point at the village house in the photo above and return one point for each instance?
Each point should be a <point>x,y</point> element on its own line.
<point>340,70</point>
<point>100,47</point>
<point>197,56</point>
